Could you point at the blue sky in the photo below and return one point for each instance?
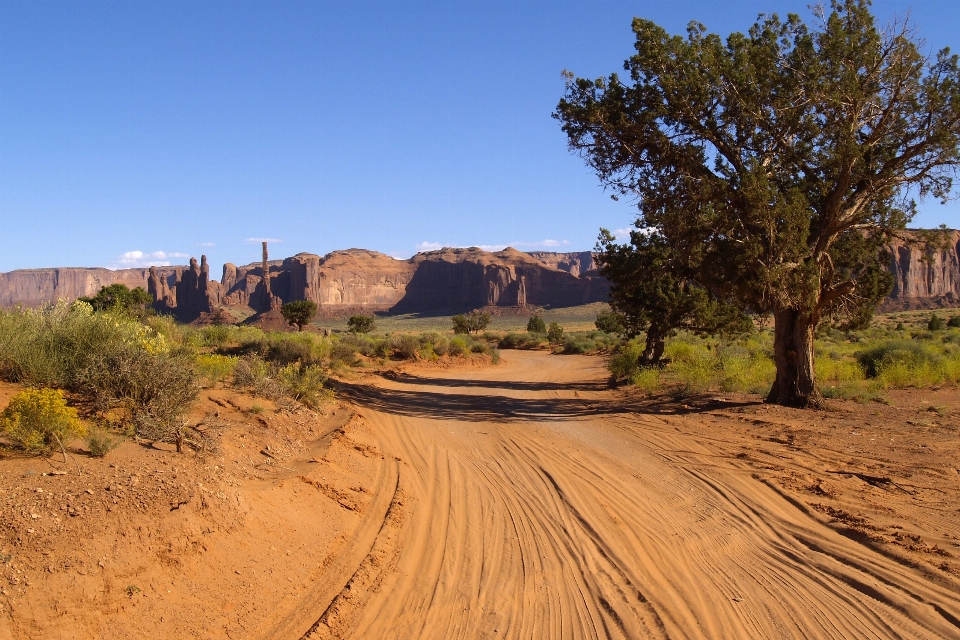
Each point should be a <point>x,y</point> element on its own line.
<point>147,132</point>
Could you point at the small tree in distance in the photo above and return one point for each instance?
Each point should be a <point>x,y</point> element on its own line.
<point>299,313</point>
<point>360,324</point>
<point>536,325</point>
<point>473,322</point>
<point>555,333</point>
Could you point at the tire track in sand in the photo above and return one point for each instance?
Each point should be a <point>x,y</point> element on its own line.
<point>534,508</point>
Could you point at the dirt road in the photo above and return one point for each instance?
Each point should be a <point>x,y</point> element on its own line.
<point>525,501</point>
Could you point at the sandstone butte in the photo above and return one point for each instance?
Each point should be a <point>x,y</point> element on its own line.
<point>429,283</point>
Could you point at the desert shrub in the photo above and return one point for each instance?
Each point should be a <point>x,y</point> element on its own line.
<point>305,384</point>
<point>156,389</point>
<point>625,362</point>
<point>646,379</point>
<point>514,341</point>
<point>214,368</point>
<point>406,346</point>
<point>479,346</point>
<point>215,335</point>
<point>574,345</point>
<point>894,354</point>
<point>536,325</point>
<point>344,354</point>
<point>935,323</point>
<point>954,322</point>
<point>100,442</point>
<point>457,347</point>
<point>287,348</point>
<point>441,346</point>
<point>248,371</point>
<point>39,420</point>
<point>495,356</point>
<point>52,346</point>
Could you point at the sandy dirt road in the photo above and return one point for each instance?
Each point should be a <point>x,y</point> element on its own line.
<point>524,501</point>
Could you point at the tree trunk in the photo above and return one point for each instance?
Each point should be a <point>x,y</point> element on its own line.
<point>796,384</point>
<point>653,350</point>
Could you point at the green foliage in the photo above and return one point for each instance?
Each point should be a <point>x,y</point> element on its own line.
<point>406,346</point>
<point>299,313</point>
<point>360,324</point>
<point>100,442</point>
<point>39,420</point>
<point>524,340</point>
<point>936,323</point>
<point>555,333</point>
<point>611,322</point>
<point>953,322</point>
<point>119,298</point>
<point>654,290</point>
<point>742,157</point>
<point>305,384</point>
<point>473,322</point>
<point>536,325</point>
<point>214,368</point>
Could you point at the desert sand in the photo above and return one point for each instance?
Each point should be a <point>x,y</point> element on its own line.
<point>523,500</point>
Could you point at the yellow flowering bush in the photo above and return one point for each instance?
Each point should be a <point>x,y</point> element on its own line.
<point>39,419</point>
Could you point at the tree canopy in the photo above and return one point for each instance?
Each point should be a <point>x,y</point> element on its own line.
<point>473,322</point>
<point>299,313</point>
<point>360,324</point>
<point>119,297</point>
<point>776,164</point>
<point>536,325</point>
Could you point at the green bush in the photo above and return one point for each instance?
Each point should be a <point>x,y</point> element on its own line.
<point>39,420</point>
<point>406,346</point>
<point>360,324</point>
<point>536,325</point>
<point>305,384</point>
<point>214,368</point>
<point>100,443</point>
<point>555,333</point>
<point>954,322</point>
<point>894,354</point>
<point>458,347</point>
<point>936,323</point>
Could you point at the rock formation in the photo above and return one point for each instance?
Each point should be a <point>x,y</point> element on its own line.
<point>33,287</point>
<point>925,276</point>
<point>575,263</point>
<point>436,282</point>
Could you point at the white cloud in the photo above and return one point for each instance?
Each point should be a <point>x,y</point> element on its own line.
<point>622,234</point>
<point>262,240</point>
<point>491,247</point>
<point>207,244</point>
<point>428,246</point>
<point>139,259</point>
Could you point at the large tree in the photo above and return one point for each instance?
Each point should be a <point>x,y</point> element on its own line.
<point>778,161</point>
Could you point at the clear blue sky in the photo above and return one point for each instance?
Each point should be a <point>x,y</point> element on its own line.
<point>137,132</point>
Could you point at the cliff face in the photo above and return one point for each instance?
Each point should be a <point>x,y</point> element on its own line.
<point>33,287</point>
<point>436,282</point>
<point>576,263</point>
<point>925,277</point>
<point>449,280</point>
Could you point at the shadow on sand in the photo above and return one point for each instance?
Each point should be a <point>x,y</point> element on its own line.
<point>486,408</point>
